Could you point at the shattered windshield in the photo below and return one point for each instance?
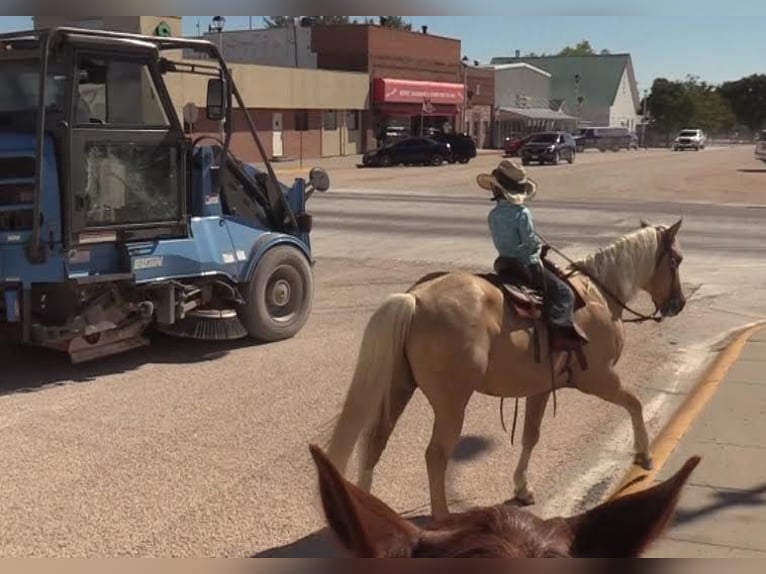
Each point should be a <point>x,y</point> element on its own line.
<point>19,87</point>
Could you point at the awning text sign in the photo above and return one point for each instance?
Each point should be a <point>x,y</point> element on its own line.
<point>392,91</point>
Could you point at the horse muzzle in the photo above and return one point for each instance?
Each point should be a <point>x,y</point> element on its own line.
<point>673,307</point>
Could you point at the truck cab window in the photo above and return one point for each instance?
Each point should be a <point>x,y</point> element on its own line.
<point>119,93</point>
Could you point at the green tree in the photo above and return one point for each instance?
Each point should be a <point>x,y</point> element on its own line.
<point>674,105</point>
<point>583,48</point>
<point>747,97</point>
<point>669,105</point>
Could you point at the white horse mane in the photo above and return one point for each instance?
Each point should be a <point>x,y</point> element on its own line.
<point>626,265</point>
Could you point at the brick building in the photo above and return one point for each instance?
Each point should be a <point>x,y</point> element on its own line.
<point>479,116</point>
<point>417,79</point>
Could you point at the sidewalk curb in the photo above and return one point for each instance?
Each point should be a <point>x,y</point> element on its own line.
<point>662,447</point>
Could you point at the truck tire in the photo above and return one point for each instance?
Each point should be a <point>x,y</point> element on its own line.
<point>279,296</point>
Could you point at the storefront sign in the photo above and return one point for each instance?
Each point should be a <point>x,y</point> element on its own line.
<point>390,91</point>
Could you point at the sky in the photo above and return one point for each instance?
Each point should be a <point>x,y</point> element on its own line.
<point>715,48</point>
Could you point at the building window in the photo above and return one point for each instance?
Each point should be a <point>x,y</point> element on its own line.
<point>352,120</point>
<point>301,120</point>
<point>330,120</point>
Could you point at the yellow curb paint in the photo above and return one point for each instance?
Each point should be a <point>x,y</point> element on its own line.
<point>670,436</point>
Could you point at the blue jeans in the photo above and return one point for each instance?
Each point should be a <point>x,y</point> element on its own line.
<point>558,299</point>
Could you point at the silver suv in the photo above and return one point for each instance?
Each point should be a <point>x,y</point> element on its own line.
<point>690,139</point>
<point>760,146</point>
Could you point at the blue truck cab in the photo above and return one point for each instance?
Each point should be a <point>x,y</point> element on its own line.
<point>114,220</point>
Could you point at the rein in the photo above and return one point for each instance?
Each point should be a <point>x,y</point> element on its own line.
<point>641,317</point>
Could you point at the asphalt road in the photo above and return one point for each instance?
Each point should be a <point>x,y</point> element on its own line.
<point>187,449</point>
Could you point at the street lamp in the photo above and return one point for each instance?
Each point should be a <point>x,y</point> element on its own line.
<point>217,26</point>
<point>464,63</point>
<point>577,98</point>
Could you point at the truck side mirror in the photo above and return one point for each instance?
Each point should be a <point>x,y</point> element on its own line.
<point>319,179</point>
<point>216,99</point>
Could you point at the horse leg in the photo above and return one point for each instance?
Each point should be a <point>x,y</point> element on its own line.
<point>448,424</point>
<point>614,392</point>
<point>533,418</point>
<point>374,443</point>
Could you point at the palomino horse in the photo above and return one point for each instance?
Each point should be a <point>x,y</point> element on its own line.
<point>367,527</point>
<point>457,334</point>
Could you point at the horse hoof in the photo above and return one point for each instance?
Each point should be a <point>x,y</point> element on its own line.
<point>524,499</point>
<point>644,461</point>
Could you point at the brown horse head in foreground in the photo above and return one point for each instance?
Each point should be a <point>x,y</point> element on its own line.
<point>622,528</point>
<point>455,334</point>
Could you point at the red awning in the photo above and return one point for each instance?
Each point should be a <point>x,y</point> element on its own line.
<point>387,90</point>
<point>409,110</point>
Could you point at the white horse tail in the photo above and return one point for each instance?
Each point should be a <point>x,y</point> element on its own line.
<point>380,366</point>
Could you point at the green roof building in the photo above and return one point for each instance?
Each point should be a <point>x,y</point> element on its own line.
<point>601,90</point>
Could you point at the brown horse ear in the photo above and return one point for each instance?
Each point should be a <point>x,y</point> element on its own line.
<point>673,231</point>
<point>644,223</point>
<point>626,526</point>
<point>365,525</point>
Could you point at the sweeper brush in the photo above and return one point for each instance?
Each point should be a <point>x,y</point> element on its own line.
<point>208,325</point>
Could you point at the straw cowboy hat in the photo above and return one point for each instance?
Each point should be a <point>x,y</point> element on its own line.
<point>510,180</point>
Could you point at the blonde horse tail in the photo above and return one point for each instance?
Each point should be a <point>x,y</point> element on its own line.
<point>381,364</point>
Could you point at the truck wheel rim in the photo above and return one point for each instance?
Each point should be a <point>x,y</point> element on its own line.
<point>283,294</point>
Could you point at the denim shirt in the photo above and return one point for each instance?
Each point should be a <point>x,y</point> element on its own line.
<point>513,233</point>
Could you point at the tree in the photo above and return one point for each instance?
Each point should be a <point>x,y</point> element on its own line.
<point>286,21</point>
<point>669,106</point>
<point>396,22</point>
<point>675,105</point>
<point>747,97</point>
<point>581,49</point>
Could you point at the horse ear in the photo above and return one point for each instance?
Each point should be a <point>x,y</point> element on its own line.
<point>644,223</point>
<point>673,231</point>
<point>626,526</point>
<point>365,525</point>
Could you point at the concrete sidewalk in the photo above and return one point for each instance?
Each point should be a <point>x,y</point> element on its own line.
<point>722,512</point>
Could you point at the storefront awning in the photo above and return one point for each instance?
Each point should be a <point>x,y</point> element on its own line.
<point>534,114</point>
<point>395,91</point>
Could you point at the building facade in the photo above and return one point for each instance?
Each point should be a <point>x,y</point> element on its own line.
<point>479,115</point>
<point>416,78</point>
<point>289,47</point>
<point>600,90</point>
<point>524,102</point>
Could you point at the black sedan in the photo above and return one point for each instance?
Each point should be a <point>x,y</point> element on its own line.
<point>549,147</point>
<point>409,151</point>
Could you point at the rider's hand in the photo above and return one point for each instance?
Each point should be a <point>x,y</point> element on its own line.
<point>544,250</point>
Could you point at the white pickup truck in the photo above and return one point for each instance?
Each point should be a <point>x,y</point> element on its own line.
<point>690,139</point>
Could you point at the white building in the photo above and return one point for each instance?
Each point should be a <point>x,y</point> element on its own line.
<point>524,104</point>
<point>599,89</point>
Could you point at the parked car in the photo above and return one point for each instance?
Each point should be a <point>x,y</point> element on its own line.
<point>549,147</point>
<point>409,151</point>
<point>690,139</point>
<point>512,146</point>
<point>604,138</point>
<point>462,145</point>
<point>760,146</point>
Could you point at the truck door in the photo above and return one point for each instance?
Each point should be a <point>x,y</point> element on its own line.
<point>127,154</point>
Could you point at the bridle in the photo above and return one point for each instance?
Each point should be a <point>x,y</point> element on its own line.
<point>666,243</point>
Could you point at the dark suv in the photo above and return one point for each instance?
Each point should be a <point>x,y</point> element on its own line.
<point>463,146</point>
<point>549,147</point>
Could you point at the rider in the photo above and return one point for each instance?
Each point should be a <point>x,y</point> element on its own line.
<point>513,234</point>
